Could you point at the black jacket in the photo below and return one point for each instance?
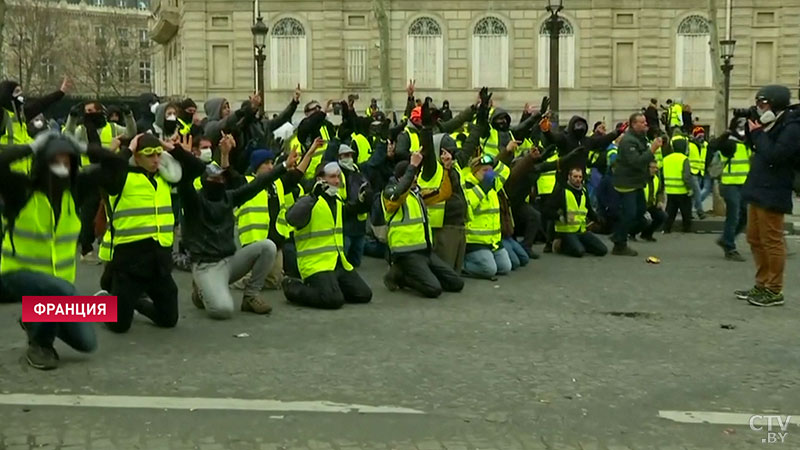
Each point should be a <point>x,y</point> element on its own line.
<point>569,140</point>
<point>633,160</point>
<point>210,222</point>
<point>775,155</point>
<point>352,207</point>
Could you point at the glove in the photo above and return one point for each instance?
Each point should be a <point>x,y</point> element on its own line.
<point>362,193</point>
<point>545,105</point>
<point>485,96</point>
<point>76,110</point>
<point>125,109</point>
<point>427,118</point>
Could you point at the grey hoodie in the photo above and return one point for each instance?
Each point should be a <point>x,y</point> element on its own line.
<point>215,124</point>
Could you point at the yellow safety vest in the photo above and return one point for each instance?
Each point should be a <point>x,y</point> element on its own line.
<point>106,135</point>
<point>491,145</point>
<point>185,128</point>
<point>317,159</point>
<point>673,174</point>
<point>17,134</point>
<point>40,244</point>
<point>483,224</point>
<point>253,216</point>
<point>656,186</point>
<point>408,228</point>
<point>547,180</point>
<point>413,137</point>
<point>735,169</point>
<point>320,244</point>
<point>140,212</point>
<point>697,157</point>
<point>454,135</point>
<point>363,146</point>
<point>676,115</point>
<point>575,214</point>
<point>435,211</point>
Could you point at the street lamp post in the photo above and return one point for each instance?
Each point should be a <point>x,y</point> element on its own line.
<point>260,31</point>
<point>18,41</point>
<point>727,47</point>
<point>554,24</point>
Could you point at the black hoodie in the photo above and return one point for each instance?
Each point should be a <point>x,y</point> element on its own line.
<point>569,140</point>
<point>31,108</point>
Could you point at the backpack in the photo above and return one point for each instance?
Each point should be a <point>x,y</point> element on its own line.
<point>716,166</point>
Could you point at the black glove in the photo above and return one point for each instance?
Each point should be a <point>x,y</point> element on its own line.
<point>545,105</point>
<point>483,113</point>
<point>125,109</point>
<point>485,96</point>
<point>427,117</point>
<point>76,110</point>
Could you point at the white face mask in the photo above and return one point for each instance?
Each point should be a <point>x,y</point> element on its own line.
<point>38,123</point>
<point>59,170</point>
<point>172,117</point>
<point>20,99</point>
<point>332,190</point>
<point>153,108</point>
<point>205,154</point>
<point>347,163</point>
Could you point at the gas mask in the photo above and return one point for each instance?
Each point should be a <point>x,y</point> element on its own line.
<point>59,170</point>
<point>205,154</point>
<point>766,117</point>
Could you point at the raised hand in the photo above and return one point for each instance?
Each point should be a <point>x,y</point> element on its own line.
<point>297,92</point>
<point>410,87</point>
<point>416,159</point>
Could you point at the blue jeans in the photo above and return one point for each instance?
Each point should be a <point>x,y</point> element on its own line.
<point>78,335</point>
<point>485,263</point>
<point>516,253</point>
<point>698,194</point>
<point>354,249</point>
<point>632,209</point>
<point>735,214</point>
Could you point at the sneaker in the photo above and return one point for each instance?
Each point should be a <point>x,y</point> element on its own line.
<point>390,279</point>
<point>90,259</point>
<point>624,250</point>
<point>256,305</point>
<point>532,254</point>
<point>701,215</point>
<point>42,358</point>
<point>197,297</point>
<point>733,255</point>
<point>767,298</point>
<point>649,239</point>
<point>102,293</point>
<point>241,282</point>
<point>745,294</point>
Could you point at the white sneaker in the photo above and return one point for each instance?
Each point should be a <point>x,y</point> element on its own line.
<point>102,293</point>
<point>90,258</point>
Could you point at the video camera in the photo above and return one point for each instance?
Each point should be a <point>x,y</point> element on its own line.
<point>750,113</point>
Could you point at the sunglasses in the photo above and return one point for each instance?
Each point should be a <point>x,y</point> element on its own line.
<point>149,151</point>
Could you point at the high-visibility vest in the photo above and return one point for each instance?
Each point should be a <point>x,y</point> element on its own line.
<point>525,148</point>
<point>491,113</point>
<point>409,230</point>
<point>435,211</point>
<point>343,194</point>
<point>575,214</point>
<point>673,174</point>
<point>413,138</point>
<point>139,212</point>
<point>363,146</point>
<point>697,158</point>
<point>16,133</point>
<point>483,224</point>
<point>106,135</point>
<point>288,201</point>
<point>253,216</point>
<point>455,134</point>
<point>656,186</point>
<point>320,244</point>
<point>547,180</point>
<point>491,145</point>
<point>735,169</point>
<point>317,158</point>
<point>185,128</point>
<point>676,115</point>
<point>38,243</point>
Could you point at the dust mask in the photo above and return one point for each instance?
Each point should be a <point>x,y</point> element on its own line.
<point>38,123</point>
<point>348,163</point>
<point>59,170</point>
<point>331,190</point>
<point>172,117</point>
<point>205,154</point>
<point>767,117</point>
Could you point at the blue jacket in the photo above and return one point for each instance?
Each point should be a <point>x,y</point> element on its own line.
<point>775,155</point>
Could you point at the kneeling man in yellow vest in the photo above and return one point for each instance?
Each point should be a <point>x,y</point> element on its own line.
<point>485,257</point>
<point>678,186</point>
<point>328,279</point>
<point>570,208</point>
<point>414,265</point>
<point>39,244</point>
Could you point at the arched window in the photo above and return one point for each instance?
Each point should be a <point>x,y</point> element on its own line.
<point>425,53</point>
<point>288,54</point>
<point>490,53</point>
<point>693,56</point>
<point>566,55</point>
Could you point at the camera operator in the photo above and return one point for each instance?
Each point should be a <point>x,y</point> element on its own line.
<point>775,138</point>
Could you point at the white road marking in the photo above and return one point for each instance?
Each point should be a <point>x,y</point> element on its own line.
<point>196,403</point>
<point>720,418</point>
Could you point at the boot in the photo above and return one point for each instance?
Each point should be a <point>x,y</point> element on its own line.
<point>255,304</point>
<point>623,250</point>
<point>197,297</point>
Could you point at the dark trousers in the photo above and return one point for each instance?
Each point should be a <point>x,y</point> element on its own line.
<point>130,281</point>
<point>632,209</point>
<point>527,223</point>
<point>578,244</point>
<point>78,335</point>
<point>290,260</point>
<point>354,249</point>
<point>682,202</point>
<point>657,218</point>
<point>548,226</point>
<point>88,212</point>
<point>426,274</point>
<point>329,290</point>
<point>735,214</point>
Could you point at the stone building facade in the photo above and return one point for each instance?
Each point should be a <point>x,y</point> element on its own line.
<point>613,59</point>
